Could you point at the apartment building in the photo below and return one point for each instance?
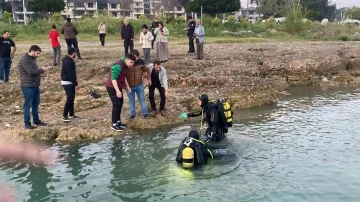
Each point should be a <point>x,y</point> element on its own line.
<point>114,8</point>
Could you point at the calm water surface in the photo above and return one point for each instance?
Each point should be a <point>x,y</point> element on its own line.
<point>304,148</point>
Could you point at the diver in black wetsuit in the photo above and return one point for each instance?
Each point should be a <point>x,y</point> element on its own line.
<point>214,115</point>
<point>192,151</point>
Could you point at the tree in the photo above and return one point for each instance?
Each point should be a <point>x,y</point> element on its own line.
<point>47,6</point>
<point>353,13</point>
<point>213,7</point>
<point>321,9</point>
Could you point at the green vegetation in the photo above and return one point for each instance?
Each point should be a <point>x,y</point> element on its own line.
<point>318,9</point>
<point>353,13</point>
<point>294,28</point>
<point>213,7</point>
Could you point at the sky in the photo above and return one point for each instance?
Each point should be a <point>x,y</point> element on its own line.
<point>339,3</point>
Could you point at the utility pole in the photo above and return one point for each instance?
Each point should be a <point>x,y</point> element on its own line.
<point>247,9</point>
<point>201,15</point>
<point>24,11</point>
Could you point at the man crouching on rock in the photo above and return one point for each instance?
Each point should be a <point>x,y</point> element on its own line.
<point>115,82</point>
<point>30,76</point>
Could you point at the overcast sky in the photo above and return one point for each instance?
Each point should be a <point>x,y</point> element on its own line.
<point>339,3</point>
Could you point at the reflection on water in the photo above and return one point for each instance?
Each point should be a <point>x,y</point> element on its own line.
<point>304,148</point>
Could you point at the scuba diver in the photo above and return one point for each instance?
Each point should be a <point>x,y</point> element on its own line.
<point>217,114</point>
<point>192,151</point>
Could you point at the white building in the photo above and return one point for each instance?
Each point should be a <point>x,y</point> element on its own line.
<point>127,8</point>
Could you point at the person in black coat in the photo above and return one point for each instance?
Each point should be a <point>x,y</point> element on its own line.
<point>154,25</point>
<point>191,29</point>
<point>214,115</point>
<point>127,35</point>
<point>69,82</point>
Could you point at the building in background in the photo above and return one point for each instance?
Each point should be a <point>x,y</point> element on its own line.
<point>114,8</point>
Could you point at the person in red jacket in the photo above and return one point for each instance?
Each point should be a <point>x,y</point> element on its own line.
<point>115,83</point>
<point>55,44</point>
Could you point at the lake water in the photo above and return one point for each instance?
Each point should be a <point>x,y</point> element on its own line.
<point>304,148</point>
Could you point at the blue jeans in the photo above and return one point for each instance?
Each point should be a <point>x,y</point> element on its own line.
<point>5,64</point>
<point>139,90</point>
<point>31,100</point>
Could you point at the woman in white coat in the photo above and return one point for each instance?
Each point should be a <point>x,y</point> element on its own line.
<point>145,40</point>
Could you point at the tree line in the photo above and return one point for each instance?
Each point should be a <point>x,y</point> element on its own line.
<point>316,9</point>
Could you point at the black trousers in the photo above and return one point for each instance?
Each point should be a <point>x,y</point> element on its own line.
<point>152,97</point>
<point>117,104</point>
<point>73,43</point>
<point>102,39</point>
<point>70,98</point>
<point>191,44</point>
<point>152,42</point>
<point>128,44</point>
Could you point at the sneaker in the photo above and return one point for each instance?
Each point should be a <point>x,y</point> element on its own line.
<point>121,125</point>
<point>40,123</point>
<point>80,58</point>
<point>29,127</point>
<point>74,117</point>
<point>146,116</point>
<point>8,82</point>
<point>131,117</point>
<point>162,112</point>
<point>66,119</point>
<point>153,113</point>
<point>116,127</point>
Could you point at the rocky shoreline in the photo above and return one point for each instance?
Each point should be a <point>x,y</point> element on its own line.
<point>249,74</point>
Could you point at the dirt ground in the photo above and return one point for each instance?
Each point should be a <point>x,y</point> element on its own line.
<point>249,74</point>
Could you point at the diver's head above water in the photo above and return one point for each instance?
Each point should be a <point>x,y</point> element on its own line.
<point>194,134</point>
<point>203,100</point>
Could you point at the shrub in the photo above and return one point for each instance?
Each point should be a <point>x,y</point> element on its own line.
<point>231,19</point>
<point>143,17</point>
<point>270,20</point>
<point>56,17</point>
<point>161,18</point>
<point>7,17</point>
<point>180,20</point>
<point>207,20</point>
<point>216,22</point>
<point>344,38</point>
<point>294,21</point>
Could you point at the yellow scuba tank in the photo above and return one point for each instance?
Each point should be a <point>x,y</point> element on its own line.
<point>188,157</point>
<point>227,109</point>
<point>228,113</point>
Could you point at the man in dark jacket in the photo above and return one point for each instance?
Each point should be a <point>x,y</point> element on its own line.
<point>70,31</point>
<point>191,29</point>
<point>69,81</point>
<point>214,115</point>
<point>154,25</point>
<point>30,83</point>
<point>127,35</point>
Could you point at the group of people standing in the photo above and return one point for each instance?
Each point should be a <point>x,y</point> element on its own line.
<point>158,34</point>
<point>126,74</point>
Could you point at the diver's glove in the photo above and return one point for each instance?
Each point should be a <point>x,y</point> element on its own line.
<point>183,115</point>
